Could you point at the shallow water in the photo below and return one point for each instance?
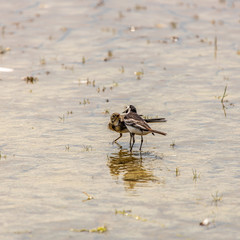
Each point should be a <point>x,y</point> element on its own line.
<point>55,144</point>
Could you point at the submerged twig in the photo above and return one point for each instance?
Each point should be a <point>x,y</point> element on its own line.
<point>195,175</point>
<point>224,94</point>
<point>216,198</point>
<point>222,100</point>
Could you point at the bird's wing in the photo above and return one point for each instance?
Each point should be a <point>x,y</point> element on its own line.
<point>137,124</point>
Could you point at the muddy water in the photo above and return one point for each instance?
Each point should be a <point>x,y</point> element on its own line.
<point>88,59</point>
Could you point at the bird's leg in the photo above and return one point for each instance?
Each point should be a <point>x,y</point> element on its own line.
<point>141,143</point>
<point>130,143</point>
<point>133,137</point>
<point>117,138</point>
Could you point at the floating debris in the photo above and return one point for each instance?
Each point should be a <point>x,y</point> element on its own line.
<point>101,229</point>
<point>3,156</point>
<point>123,212</point>
<point>87,82</point>
<point>67,148</point>
<point>205,40</point>
<point>132,29</point>
<point>67,67</point>
<point>107,29</point>
<point>83,60</point>
<point>175,39</point>
<point>172,39</point>
<point>129,214</point>
<point>115,84</point>
<point>205,222</point>
<point>42,61</point>
<point>173,144</point>
<point>69,112</point>
<point>140,7</point>
<point>30,79</point>
<point>62,118</point>
<point>139,74</point>
<point>177,172</point>
<point>87,148</point>
<point>173,25</point>
<point>84,102</point>
<point>4,50</point>
<point>106,111</point>
<point>122,69</point>
<point>89,197</point>
<point>110,55</point>
<point>103,89</point>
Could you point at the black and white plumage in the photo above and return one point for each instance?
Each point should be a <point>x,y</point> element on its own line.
<point>117,124</point>
<point>137,125</point>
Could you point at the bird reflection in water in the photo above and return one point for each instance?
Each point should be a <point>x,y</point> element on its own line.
<point>130,166</point>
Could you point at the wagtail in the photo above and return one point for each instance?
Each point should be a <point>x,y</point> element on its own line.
<point>117,123</point>
<point>137,125</point>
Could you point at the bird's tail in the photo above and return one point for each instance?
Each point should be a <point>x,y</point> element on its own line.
<point>155,131</point>
<point>152,120</point>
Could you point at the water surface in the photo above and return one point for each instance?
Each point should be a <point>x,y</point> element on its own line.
<point>169,59</point>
